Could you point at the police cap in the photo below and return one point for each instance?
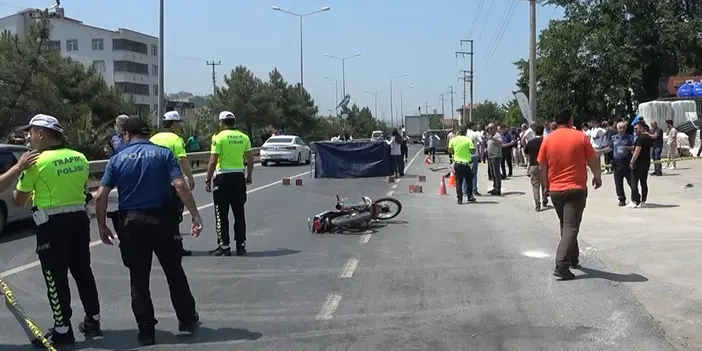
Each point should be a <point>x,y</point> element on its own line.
<point>136,126</point>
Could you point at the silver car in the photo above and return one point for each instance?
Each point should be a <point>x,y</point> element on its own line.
<point>285,149</point>
<point>8,211</point>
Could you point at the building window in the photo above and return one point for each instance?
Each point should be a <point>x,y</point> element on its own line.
<point>133,88</point>
<point>154,70</point>
<point>72,45</point>
<point>129,45</point>
<point>154,50</point>
<point>131,67</point>
<point>98,45</point>
<point>53,45</point>
<point>156,89</point>
<point>99,66</point>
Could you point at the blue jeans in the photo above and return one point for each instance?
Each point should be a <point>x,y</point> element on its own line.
<point>656,156</point>
<point>475,161</point>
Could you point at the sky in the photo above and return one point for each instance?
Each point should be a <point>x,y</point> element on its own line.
<point>416,37</point>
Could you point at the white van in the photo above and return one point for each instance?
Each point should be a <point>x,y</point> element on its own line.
<point>376,135</point>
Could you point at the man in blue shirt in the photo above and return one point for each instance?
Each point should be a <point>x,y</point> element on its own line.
<point>143,173</point>
<point>117,140</point>
<point>622,146</point>
<point>508,142</point>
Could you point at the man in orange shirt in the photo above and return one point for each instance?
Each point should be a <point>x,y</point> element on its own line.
<point>562,164</point>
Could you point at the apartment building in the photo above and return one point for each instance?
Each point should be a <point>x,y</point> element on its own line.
<point>126,59</point>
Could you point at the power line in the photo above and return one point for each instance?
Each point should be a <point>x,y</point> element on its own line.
<point>476,17</point>
<point>487,18</point>
<point>499,34</point>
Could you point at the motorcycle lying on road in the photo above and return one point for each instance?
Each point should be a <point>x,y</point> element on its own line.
<point>354,216</point>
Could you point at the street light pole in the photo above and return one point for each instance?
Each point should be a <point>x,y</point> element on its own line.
<point>392,116</point>
<point>343,69</point>
<point>300,16</point>
<point>161,87</point>
<point>532,59</point>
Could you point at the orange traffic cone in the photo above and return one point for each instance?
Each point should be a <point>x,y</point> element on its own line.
<point>452,180</point>
<point>426,161</point>
<point>442,187</point>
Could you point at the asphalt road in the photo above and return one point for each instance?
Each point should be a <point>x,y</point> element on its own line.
<point>439,277</point>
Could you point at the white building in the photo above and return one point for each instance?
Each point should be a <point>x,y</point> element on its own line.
<point>127,59</point>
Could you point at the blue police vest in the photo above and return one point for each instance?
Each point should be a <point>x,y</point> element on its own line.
<point>142,173</point>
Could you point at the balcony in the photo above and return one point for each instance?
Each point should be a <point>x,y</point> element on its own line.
<point>127,77</point>
<point>129,56</point>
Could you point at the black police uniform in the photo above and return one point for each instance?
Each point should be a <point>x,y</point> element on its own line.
<point>145,224</point>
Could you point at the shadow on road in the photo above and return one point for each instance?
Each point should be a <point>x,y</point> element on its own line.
<point>17,230</point>
<point>266,253</point>
<point>591,273</point>
<point>669,174</point>
<point>649,205</point>
<point>510,193</point>
<point>477,202</point>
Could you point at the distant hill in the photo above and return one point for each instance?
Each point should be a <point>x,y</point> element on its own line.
<point>198,100</point>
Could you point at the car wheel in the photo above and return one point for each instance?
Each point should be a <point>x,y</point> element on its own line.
<point>3,218</point>
<point>309,158</point>
<point>264,163</point>
<point>299,158</point>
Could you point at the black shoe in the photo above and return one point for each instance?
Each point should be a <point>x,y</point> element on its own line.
<point>241,249</point>
<point>459,201</point>
<point>471,199</point>
<point>186,253</point>
<point>510,175</point>
<point>147,336</point>
<point>503,177</point>
<point>575,264</point>
<point>220,251</point>
<point>56,338</point>
<point>90,328</point>
<point>489,178</point>
<point>622,203</point>
<point>190,326</point>
<point>564,273</point>
<point>537,208</point>
<point>476,193</point>
<point>496,193</point>
<point>544,203</point>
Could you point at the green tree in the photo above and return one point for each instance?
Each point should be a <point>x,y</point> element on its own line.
<point>488,112</point>
<point>238,95</point>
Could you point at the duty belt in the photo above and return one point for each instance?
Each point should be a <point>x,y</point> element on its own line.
<point>461,163</point>
<point>63,209</point>
<point>223,171</point>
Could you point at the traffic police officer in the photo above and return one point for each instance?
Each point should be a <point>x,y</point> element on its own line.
<point>229,148</point>
<point>56,183</point>
<point>461,147</point>
<point>172,141</point>
<point>143,173</point>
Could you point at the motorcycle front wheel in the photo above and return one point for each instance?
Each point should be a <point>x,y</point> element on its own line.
<point>386,208</point>
<point>349,219</point>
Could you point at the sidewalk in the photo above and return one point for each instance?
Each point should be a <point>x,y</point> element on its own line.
<point>661,242</point>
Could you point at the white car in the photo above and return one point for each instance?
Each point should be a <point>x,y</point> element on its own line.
<point>285,148</point>
<point>9,154</point>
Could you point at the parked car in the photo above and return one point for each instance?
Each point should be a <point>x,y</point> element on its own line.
<point>285,149</point>
<point>9,154</point>
<point>441,146</point>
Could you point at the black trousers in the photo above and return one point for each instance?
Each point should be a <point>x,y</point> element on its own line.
<point>639,176</point>
<point>621,173</point>
<point>229,192</point>
<point>432,152</point>
<point>464,173</point>
<point>143,234</point>
<point>403,150</point>
<point>63,245</point>
<point>569,206</point>
<point>507,160</point>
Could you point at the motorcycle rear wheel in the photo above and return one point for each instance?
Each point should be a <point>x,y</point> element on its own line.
<point>384,216</point>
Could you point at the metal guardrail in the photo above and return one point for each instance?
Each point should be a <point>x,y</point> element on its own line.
<point>203,157</point>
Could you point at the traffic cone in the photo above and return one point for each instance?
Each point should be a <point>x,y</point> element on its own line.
<point>452,180</point>
<point>427,161</point>
<point>442,187</point>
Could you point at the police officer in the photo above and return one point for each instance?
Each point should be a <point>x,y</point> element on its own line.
<point>170,139</point>
<point>56,183</point>
<point>229,148</point>
<point>143,173</point>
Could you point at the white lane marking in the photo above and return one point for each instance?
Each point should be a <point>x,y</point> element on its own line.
<point>536,254</point>
<point>185,213</point>
<point>412,160</point>
<point>389,193</point>
<point>350,268</point>
<point>364,238</point>
<point>329,307</point>
<point>393,186</point>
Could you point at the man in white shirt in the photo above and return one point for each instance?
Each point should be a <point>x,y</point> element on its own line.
<point>477,138</point>
<point>450,135</point>
<point>597,138</point>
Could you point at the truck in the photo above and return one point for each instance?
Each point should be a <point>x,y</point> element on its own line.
<point>415,126</point>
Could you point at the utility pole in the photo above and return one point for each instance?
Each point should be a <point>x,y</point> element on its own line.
<point>467,76</point>
<point>214,74</point>
<point>451,94</point>
<point>443,113</point>
<point>532,59</point>
<point>426,110</point>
